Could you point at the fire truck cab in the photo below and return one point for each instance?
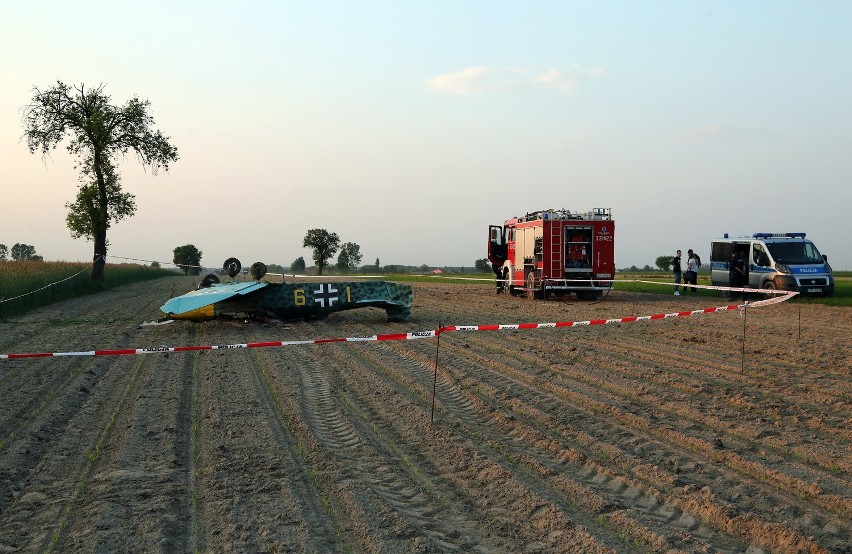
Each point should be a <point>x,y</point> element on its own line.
<point>554,251</point>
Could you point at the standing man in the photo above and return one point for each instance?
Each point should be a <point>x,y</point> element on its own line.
<point>738,276</point>
<point>691,275</point>
<point>675,263</point>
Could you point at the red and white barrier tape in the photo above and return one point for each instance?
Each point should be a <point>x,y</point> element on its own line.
<point>399,336</point>
<point>715,287</point>
<point>164,349</point>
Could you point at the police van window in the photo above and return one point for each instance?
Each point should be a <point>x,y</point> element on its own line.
<point>795,252</point>
<point>759,255</point>
<point>812,252</point>
<point>720,252</point>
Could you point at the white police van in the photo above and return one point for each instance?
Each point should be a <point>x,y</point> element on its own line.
<point>783,261</point>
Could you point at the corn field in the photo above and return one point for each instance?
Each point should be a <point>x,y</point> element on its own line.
<point>25,284</point>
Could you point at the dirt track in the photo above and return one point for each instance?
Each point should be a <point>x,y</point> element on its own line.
<point>619,438</point>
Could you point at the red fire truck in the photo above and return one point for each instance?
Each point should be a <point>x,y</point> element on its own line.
<point>554,251</point>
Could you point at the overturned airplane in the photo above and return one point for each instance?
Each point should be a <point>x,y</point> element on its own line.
<point>257,300</point>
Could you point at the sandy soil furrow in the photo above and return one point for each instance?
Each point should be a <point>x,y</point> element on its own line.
<point>505,413</point>
<point>44,507</point>
<point>678,460</point>
<point>256,492</point>
<point>374,460</point>
<point>533,351</point>
<point>490,472</point>
<point>139,497</point>
<point>684,413</point>
<point>55,413</point>
<point>620,438</point>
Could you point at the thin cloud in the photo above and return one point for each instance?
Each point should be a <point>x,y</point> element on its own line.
<point>465,81</point>
<point>559,80</point>
<point>486,79</point>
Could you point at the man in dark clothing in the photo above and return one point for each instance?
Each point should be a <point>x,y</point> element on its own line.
<point>675,263</point>
<point>737,273</point>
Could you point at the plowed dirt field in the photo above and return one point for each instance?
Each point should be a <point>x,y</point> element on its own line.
<point>643,437</point>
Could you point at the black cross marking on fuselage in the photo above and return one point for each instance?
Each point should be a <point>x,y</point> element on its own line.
<point>325,294</point>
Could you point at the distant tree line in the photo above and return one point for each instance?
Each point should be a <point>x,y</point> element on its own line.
<point>19,251</point>
<point>325,245</point>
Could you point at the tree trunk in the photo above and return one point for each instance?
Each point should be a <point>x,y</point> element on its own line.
<point>100,221</point>
<point>99,260</point>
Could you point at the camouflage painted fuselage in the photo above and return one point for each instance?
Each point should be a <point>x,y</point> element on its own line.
<point>255,300</point>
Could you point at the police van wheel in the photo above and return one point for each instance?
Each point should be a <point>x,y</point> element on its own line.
<point>769,285</point>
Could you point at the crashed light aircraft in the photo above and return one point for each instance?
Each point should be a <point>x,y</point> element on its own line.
<point>254,300</point>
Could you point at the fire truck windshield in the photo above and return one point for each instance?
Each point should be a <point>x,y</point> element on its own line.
<point>797,252</point>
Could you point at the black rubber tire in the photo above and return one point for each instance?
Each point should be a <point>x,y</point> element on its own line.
<point>258,270</point>
<point>209,280</point>
<point>232,267</point>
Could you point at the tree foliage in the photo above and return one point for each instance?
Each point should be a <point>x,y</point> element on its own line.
<point>350,256</point>
<point>298,265</point>
<point>4,251</point>
<point>324,245</point>
<point>83,213</point>
<point>98,135</point>
<point>188,258</point>
<point>482,265</point>
<point>664,262</point>
<point>24,252</point>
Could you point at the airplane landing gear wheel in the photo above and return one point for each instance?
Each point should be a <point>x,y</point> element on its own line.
<point>258,270</point>
<point>209,280</point>
<point>232,267</point>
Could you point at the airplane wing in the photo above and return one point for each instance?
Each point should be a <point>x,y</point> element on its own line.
<point>199,303</point>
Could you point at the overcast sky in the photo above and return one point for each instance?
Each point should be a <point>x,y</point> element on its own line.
<point>409,127</point>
